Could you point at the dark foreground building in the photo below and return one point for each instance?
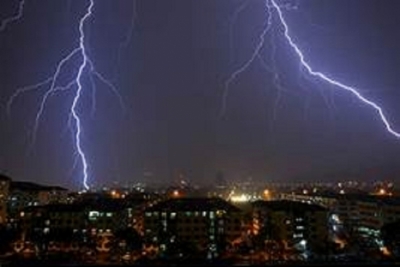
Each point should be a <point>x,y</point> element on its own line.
<point>298,226</point>
<point>192,227</point>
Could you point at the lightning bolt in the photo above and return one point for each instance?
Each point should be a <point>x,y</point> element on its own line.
<point>74,111</point>
<point>235,16</point>
<point>244,66</point>
<point>86,69</point>
<point>276,77</point>
<point>272,8</point>
<point>17,16</point>
<point>128,37</point>
<point>326,78</point>
<point>124,44</point>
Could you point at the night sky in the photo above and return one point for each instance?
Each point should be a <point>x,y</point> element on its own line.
<point>171,73</point>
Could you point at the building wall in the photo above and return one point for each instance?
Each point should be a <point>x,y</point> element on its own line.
<point>292,228</point>
<point>18,200</point>
<point>4,192</point>
<point>364,214</point>
<point>367,216</point>
<point>79,219</point>
<point>205,229</point>
<point>391,213</point>
<point>46,197</point>
<point>106,220</point>
<point>66,220</point>
<point>317,232</point>
<point>329,202</point>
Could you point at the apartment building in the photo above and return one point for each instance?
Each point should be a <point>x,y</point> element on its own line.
<point>297,225</point>
<point>209,224</point>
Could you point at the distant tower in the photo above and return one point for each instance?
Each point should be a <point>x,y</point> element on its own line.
<point>220,181</point>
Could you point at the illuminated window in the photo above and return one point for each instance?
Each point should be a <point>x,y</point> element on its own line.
<point>93,215</point>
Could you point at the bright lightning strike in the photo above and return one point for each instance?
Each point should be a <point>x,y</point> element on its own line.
<point>74,111</point>
<point>52,89</point>
<point>17,16</point>
<point>271,6</point>
<point>86,68</point>
<point>306,65</point>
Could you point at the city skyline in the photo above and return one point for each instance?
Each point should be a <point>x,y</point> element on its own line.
<point>170,69</point>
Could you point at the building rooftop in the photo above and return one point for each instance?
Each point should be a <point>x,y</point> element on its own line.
<point>387,200</point>
<point>194,204</point>
<point>102,205</point>
<point>108,203</point>
<point>29,186</point>
<point>64,208</point>
<point>286,205</point>
<point>55,208</point>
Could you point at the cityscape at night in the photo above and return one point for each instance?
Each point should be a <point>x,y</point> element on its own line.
<point>199,132</point>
